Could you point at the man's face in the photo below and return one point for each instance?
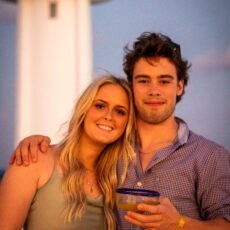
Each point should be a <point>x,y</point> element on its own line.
<point>155,88</point>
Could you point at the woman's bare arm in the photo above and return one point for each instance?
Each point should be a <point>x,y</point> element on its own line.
<point>18,188</point>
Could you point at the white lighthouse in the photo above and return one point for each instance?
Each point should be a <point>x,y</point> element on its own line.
<point>54,63</point>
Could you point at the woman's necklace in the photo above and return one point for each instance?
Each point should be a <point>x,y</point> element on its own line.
<point>90,174</point>
<point>90,186</point>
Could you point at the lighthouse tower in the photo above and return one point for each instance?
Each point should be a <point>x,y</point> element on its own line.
<point>54,63</point>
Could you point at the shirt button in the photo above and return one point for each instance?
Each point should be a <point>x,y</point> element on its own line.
<point>139,184</point>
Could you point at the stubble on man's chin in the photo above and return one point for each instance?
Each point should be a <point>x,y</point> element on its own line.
<point>155,119</point>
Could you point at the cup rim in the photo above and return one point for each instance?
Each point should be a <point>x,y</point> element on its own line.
<point>141,192</point>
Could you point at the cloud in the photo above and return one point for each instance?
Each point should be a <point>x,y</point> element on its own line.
<point>8,11</point>
<point>212,61</point>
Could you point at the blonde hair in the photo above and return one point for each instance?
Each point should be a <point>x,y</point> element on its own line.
<point>73,169</point>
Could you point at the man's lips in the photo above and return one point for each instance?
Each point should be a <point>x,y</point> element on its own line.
<point>154,103</point>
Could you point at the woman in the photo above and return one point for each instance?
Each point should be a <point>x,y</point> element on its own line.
<point>73,186</point>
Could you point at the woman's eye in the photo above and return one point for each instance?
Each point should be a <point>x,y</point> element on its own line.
<point>99,106</point>
<point>121,112</point>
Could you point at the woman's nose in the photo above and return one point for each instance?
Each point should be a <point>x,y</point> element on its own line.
<point>108,115</point>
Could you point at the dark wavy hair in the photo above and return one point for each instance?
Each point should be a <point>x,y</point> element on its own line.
<point>152,46</point>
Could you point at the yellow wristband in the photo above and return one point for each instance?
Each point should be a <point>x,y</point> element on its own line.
<point>181,223</point>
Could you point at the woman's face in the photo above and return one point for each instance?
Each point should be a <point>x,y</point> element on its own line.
<point>107,117</point>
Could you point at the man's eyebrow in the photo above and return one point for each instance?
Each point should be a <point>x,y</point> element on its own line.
<point>166,76</point>
<point>141,76</point>
<point>160,76</point>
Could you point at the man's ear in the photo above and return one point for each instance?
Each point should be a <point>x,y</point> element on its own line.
<point>180,87</point>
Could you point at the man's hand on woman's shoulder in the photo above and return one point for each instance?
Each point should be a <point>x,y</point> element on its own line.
<point>28,148</point>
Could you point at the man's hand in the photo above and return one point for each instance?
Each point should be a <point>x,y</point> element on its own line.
<point>163,216</point>
<point>29,146</point>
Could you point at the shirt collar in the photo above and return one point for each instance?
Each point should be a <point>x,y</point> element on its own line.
<point>183,131</point>
<point>182,138</point>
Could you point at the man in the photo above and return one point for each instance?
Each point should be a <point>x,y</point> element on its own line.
<point>191,171</point>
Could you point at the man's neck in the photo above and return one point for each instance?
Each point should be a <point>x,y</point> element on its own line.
<point>154,137</point>
<point>152,134</point>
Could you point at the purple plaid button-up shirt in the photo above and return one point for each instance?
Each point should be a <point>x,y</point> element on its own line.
<point>193,172</point>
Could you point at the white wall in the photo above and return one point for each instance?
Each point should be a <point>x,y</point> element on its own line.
<point>54,64</point>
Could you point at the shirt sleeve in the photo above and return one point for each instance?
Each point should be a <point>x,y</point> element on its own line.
<point>213,186</point>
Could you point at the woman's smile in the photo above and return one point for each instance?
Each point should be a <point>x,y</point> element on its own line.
<point>105,127</point>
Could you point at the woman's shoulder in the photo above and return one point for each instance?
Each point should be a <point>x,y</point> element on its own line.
<point>46,165</point>
<point>39,171</point>
<point>46,160</point>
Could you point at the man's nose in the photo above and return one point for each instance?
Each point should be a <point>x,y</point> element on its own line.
<point>153,90</point>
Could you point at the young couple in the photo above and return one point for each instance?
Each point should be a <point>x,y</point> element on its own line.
<point>73,185</point>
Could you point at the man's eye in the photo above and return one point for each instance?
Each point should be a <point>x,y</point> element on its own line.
<point>165,82</point>
<point>99,106</point>
<point>142,81</point>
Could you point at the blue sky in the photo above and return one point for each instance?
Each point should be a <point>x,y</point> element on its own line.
<point>200,27</point>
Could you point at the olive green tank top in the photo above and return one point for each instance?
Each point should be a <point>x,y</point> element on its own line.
<point>48,204</point>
